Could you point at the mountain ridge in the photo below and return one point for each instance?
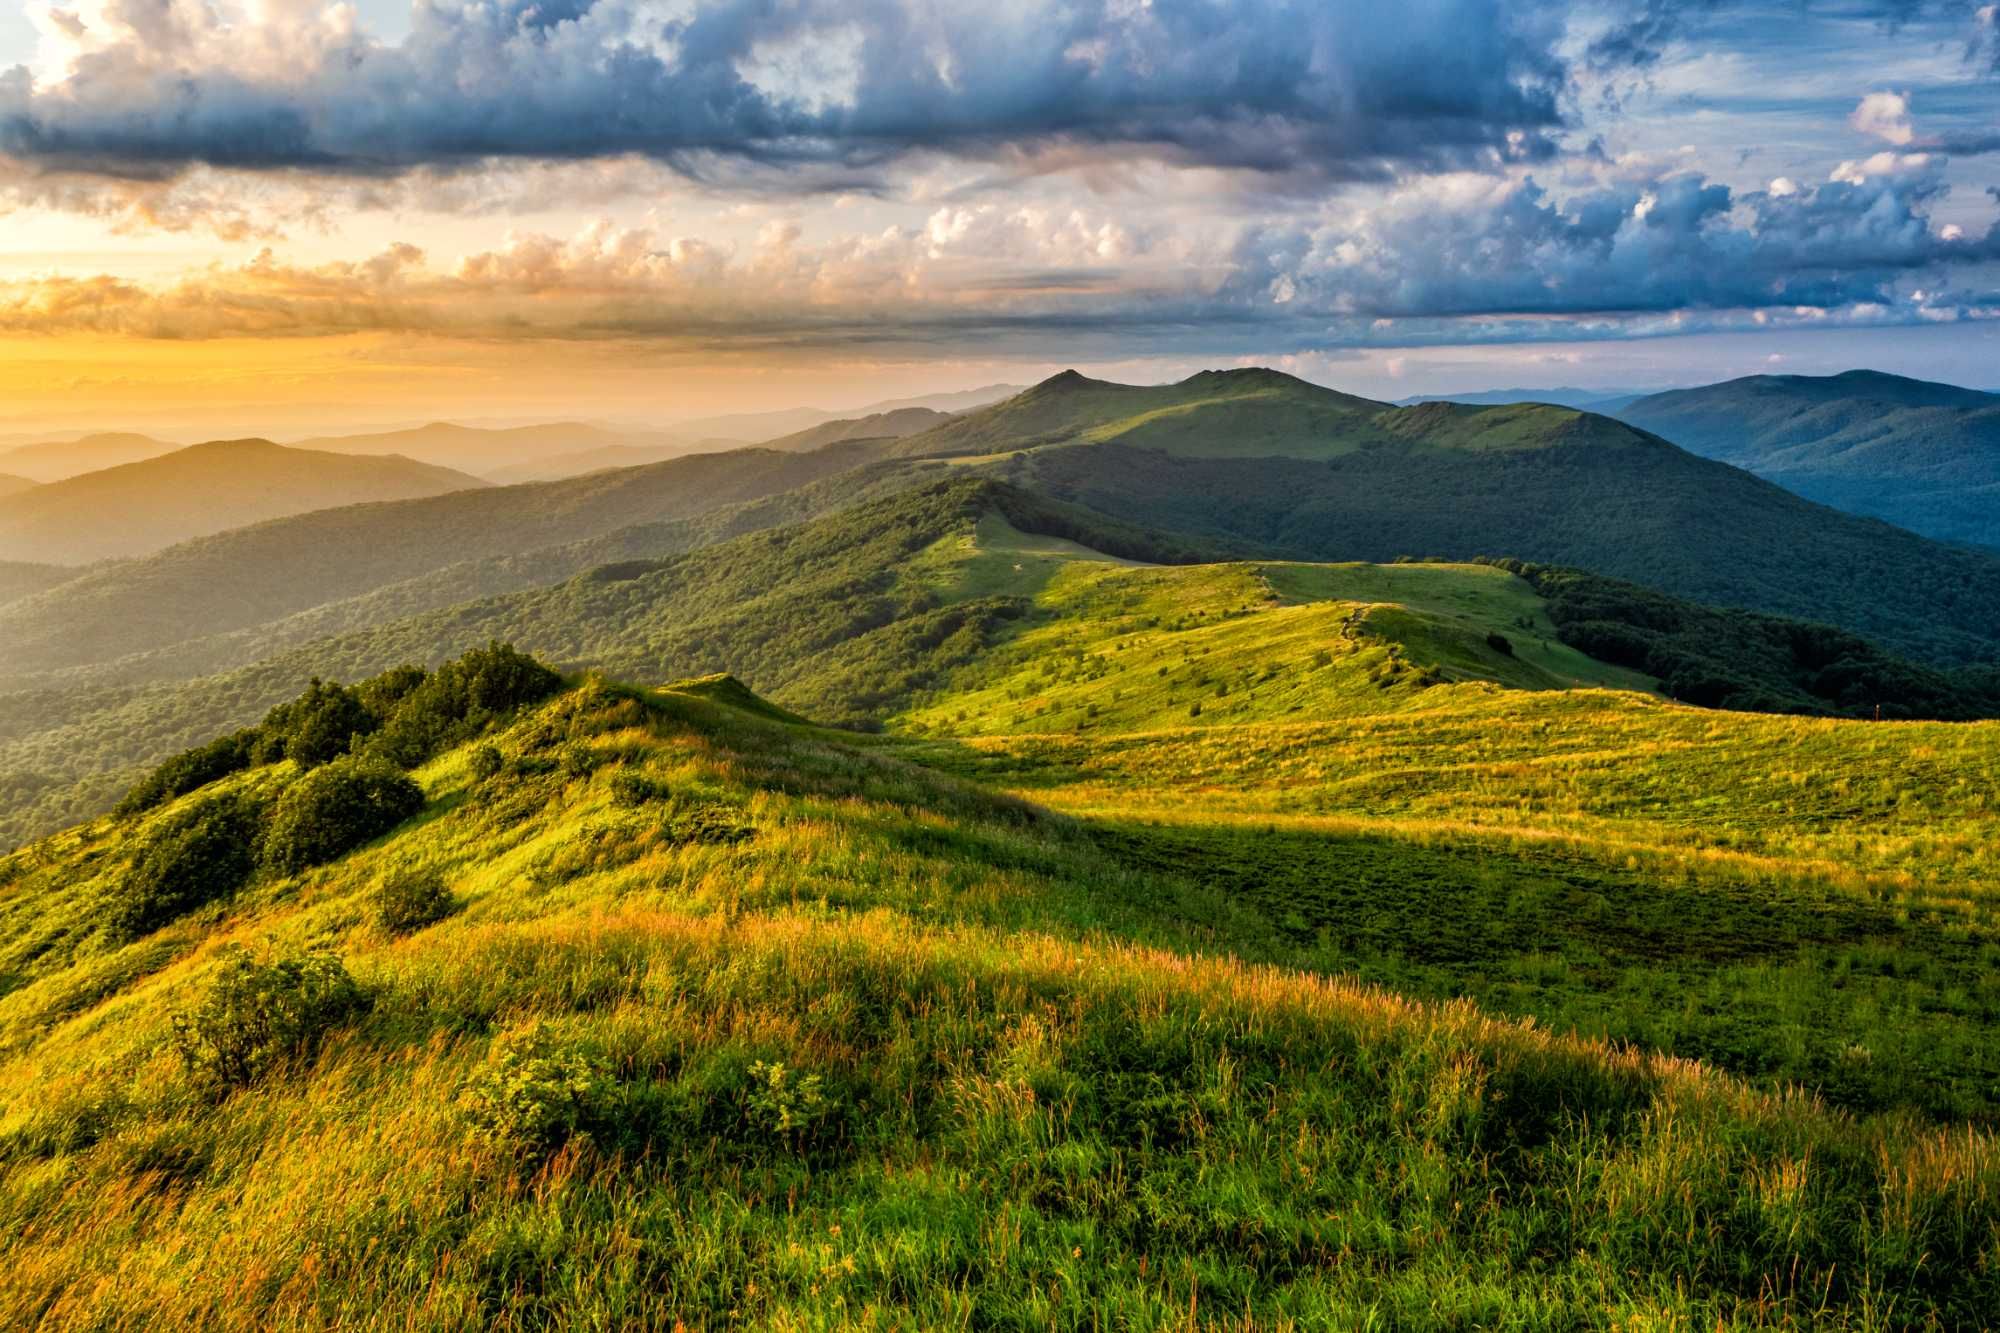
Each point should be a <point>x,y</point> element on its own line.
<point>1920,454</point>
<point>134,509</point>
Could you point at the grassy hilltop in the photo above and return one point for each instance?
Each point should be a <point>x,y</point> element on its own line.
<point>1199,945</point>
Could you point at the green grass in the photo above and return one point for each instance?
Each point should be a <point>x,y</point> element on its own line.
<point>1050,1099</point>
<point>1240,945</point>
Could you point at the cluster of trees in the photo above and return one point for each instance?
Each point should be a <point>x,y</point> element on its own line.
<point>353,743</point>
<point>209,850</point>
<point>399,718</point>
<point>1748,661</point>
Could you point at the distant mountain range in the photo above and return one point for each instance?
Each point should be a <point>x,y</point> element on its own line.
<point>895,424</point>
<point>756,427</point>
<point>12,485</point>
<point>1590,400</point>
<point>1921,455</point>
<point>136,508</point>
<point>58,460</point>
<point>494,452</point>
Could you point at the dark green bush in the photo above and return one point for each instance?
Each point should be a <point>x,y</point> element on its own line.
<point>319,726</point>
<point>633,789</point>
<point>459,699</point>
<point>258,1017</point>
<point>191,770</point>
<point>412,899</point>
<point>195,856</point>
<point>536,1093</point>
<point>334,809</point>
<point>382,694</point>
<point>485,762</point>
<point>1500,643</point>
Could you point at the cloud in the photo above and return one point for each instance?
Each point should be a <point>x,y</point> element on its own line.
<point>1482,248</point>
<point>1885,116</point>
<point>142,89</point>
<point>1458,258</point>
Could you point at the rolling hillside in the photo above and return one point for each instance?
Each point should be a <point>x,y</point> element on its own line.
<point>1281,467</point>
<point>663,1006</point>
<point>255,575</point>
<point>58,460</point>
<point>1922,455</point>
<point>854,617</point>
<point>138,508</point>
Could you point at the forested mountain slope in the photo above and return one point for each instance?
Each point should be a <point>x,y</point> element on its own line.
<point>1922,455</point>
<point>254,575</point>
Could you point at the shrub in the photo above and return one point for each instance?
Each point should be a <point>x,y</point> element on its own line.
<point>780,1100</point>
<point>536,1094</point>
<point>485,762</point>
<point>191,770</point>
<point>320,725</point>
<point>412,899</point>
<point>381,694</point>
<point>633,789</point>
<point>460,698</point>
<point>258,1017</point>
<point>332,810</point>
<point>195,856</point>
<point>1500,643</point>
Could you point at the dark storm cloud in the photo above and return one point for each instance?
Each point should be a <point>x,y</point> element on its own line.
<point>1267,85</point>
<point>1682,243</point>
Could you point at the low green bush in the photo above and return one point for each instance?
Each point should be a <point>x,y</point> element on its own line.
<point>191,770</point>
<point>258,1017</point>
<point>459,699</point>
<point>412,899</point>
<point>334,809</point>
<point>781,1101</point>
<point>537,1093</point>
<point>319,726</point>
<point>195,856</point>
<point>634,789</point>
<point>485,762</point>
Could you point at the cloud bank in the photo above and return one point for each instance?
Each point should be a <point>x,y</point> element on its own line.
<point>142,88</point>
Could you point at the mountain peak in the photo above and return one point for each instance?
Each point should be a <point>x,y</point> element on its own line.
<point>1065,382</point>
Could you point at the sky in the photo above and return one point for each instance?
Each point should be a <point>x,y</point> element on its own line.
<point>272,216</point>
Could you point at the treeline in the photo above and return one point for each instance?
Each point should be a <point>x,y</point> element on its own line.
<point>397,719</point>
<point>353,743</point>
<point>1748,661</point>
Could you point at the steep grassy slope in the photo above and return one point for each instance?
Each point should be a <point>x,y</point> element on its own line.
<point>728,1022</point>
<point>1922,455</point>
<point>249,577</point>
<point>137,508</point>
<point>57,460</point>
